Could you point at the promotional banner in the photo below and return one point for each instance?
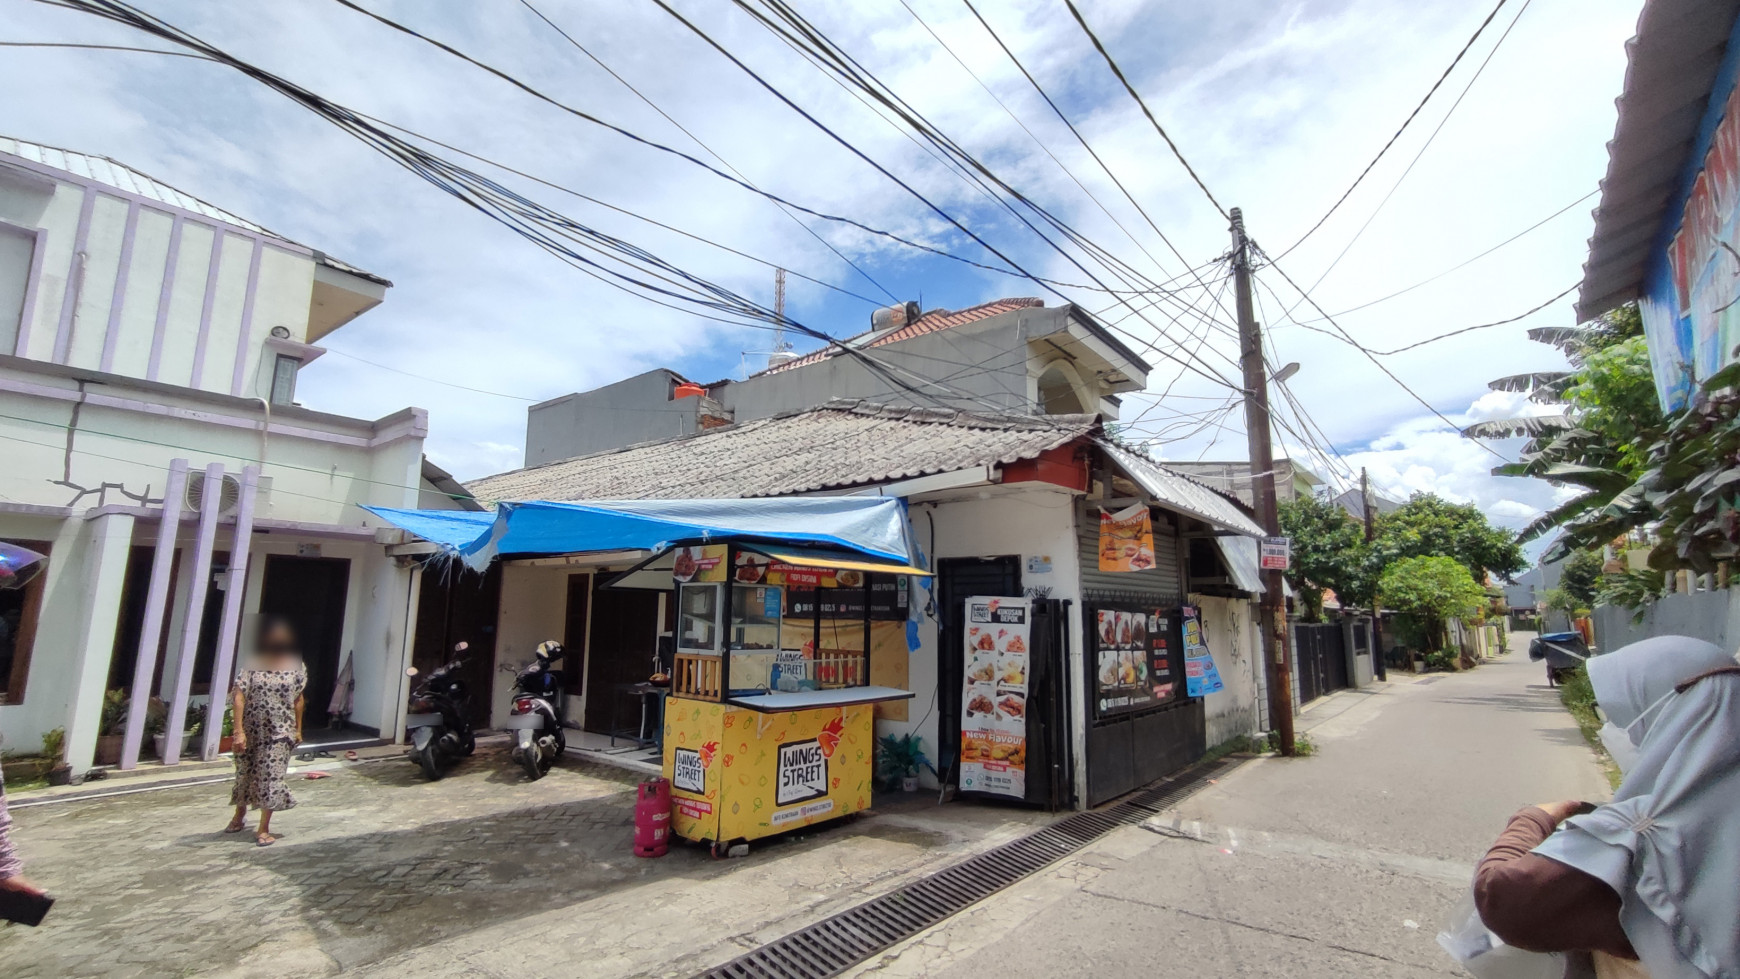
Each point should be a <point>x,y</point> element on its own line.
<point>1126,539</point>
<point>1276,553</point>
<point>1199,672</point>
<point>1132,659</point>
<point>994,701</point>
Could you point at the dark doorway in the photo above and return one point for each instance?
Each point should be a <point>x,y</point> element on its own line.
<point>1322,659</point>
<point>134,593</point>
<point>310,592</point>
<point>957,580</point>
<point>459,605</point>
<point>625,634</point>
<point>574,634</point>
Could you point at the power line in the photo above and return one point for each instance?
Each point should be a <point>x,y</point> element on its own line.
<point>1398,133</point>
<point>1473,259</point>
<point>1426,145</point>
<point>1483,326</point>
<point>1145,110</point>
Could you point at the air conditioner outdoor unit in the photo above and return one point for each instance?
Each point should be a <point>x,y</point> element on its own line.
<point>229,494</point>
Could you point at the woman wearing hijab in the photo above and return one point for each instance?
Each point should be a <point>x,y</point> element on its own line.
<point>268,707</point>
<point>1649,884</point>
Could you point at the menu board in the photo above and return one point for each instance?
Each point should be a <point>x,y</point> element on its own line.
<point>994,699</point>
<point>1133,659</point>
<point>890,598</point>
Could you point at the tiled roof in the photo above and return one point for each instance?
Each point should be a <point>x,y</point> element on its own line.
<point>840,444</point>
<point>931,322</point>
<point>118,175</point>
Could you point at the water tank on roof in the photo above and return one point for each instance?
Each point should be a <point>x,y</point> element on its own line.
<point>893,317</point>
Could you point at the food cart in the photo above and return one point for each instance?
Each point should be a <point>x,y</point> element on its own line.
<point>768,726</point>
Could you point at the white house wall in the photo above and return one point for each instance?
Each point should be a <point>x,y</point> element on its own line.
<point>1032,521</point>
<point>534,607</point>
<point>1229,627</point>
<point>137,287</point>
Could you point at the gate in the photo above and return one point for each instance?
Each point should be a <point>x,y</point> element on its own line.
<point>1321,653</point>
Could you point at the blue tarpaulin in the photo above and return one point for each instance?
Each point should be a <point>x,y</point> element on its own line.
<point>873,526</point>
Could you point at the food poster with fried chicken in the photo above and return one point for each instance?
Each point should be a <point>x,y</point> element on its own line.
<point>701,563</point>
<point>1127,539</point>
<point>1132,660</point>
<point>994,715</point>
<point>1200,674</point>
<point>742,774</point>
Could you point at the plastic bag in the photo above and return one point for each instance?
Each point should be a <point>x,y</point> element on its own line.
<point>1486,956</point>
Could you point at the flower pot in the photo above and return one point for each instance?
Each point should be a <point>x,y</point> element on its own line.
<point>109,749</point>
<point>60,776</point>
<point>909,783</point>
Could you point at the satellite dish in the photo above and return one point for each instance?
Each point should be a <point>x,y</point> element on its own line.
<point>19,565</point>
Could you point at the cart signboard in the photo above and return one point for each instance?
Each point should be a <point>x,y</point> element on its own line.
<point>1132,659</point>
<point>994,698</point>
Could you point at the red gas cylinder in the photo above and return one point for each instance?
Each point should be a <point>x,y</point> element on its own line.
<point>652,818</point>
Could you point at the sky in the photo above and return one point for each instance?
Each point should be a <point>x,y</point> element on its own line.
<point>1277,106</point>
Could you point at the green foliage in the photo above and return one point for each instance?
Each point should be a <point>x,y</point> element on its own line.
<point>1561,600</point>
<point>1429,525</point>
<point>1303,746</point>
<point>54,744</point>
<point>1633,590</point>
<point>113,719</point>
<point>1613,395</point>
<point>900,756</point>
<point>1581,577</point>
<point>1329,551</point>
<point>1442,660</point>
<point>1432,589</point>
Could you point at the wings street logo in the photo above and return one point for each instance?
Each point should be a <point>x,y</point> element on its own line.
<point>689,768</point>
<point>803,772</point>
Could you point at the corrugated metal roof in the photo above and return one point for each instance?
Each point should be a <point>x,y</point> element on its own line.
<point>1674,60</point>
<point>931,322</point>
<point>838,445</point>
<point>1179,492</point>
<point>124,178</point>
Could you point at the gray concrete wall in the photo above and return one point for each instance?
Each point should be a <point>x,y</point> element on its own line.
<point>1709,615</point>
<point>633,410</point>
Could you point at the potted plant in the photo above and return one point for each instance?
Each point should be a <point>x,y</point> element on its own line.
<point>54,749</point>
<point>112,727</point>
<point>898,759</point>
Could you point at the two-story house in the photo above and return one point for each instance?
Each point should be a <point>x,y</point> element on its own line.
<point>151,445</point>
<point>1009,355</point>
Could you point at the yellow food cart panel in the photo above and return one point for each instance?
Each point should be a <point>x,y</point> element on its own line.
<point>743,774</point>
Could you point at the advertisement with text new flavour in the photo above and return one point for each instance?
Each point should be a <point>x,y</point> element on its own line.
<point>994,705</point>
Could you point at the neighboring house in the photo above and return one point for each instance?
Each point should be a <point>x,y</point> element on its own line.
<point>1353,501</point>
<point>1015,355</point>
<point>999,504</point>
<point>1529,589</point>
<point>1292,481</point>
<point>149,351</point>
<point>1665,227</point>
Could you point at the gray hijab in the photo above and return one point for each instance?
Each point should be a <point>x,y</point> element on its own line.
<point>1669,842</point>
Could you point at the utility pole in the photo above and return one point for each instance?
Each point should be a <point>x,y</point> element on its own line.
<point>1277,657</point>
<point>1377,630</point>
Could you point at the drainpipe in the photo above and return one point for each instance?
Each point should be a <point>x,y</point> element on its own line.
<point>265,429</point>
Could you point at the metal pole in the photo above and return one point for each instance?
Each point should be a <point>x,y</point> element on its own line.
<point>1278,660</point>
<point>1377,627</point>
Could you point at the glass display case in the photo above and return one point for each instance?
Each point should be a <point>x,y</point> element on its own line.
<point>698,608</point>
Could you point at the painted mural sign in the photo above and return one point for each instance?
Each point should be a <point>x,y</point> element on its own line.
<point>994,698</point>
<point>1691,303</point>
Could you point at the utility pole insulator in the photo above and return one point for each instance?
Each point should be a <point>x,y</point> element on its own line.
<point>1257,426</point>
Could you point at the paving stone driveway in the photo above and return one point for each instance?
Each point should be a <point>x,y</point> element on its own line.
<point>377,866</point>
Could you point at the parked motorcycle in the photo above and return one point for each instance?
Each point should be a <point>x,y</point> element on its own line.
<point>536,717</point>
<point>439,724</point>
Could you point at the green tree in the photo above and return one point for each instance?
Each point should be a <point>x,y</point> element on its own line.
<point>1432,590</point>
<point>1329,551</point>
<point>1429,525</point>
<point>1581,577</point>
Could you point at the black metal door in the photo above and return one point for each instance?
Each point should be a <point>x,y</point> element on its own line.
<point>1049,783</point>
<point>1322,660</point>
<point>956,580</point>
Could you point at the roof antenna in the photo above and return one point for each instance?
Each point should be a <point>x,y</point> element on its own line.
<point>781,352</point>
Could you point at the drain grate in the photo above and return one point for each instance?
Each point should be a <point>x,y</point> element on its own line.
<point>833,945</point>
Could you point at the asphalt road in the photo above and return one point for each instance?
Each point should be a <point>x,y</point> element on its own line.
<point>1342,864</point>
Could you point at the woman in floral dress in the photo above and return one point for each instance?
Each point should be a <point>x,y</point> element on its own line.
<point>268,707</point>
